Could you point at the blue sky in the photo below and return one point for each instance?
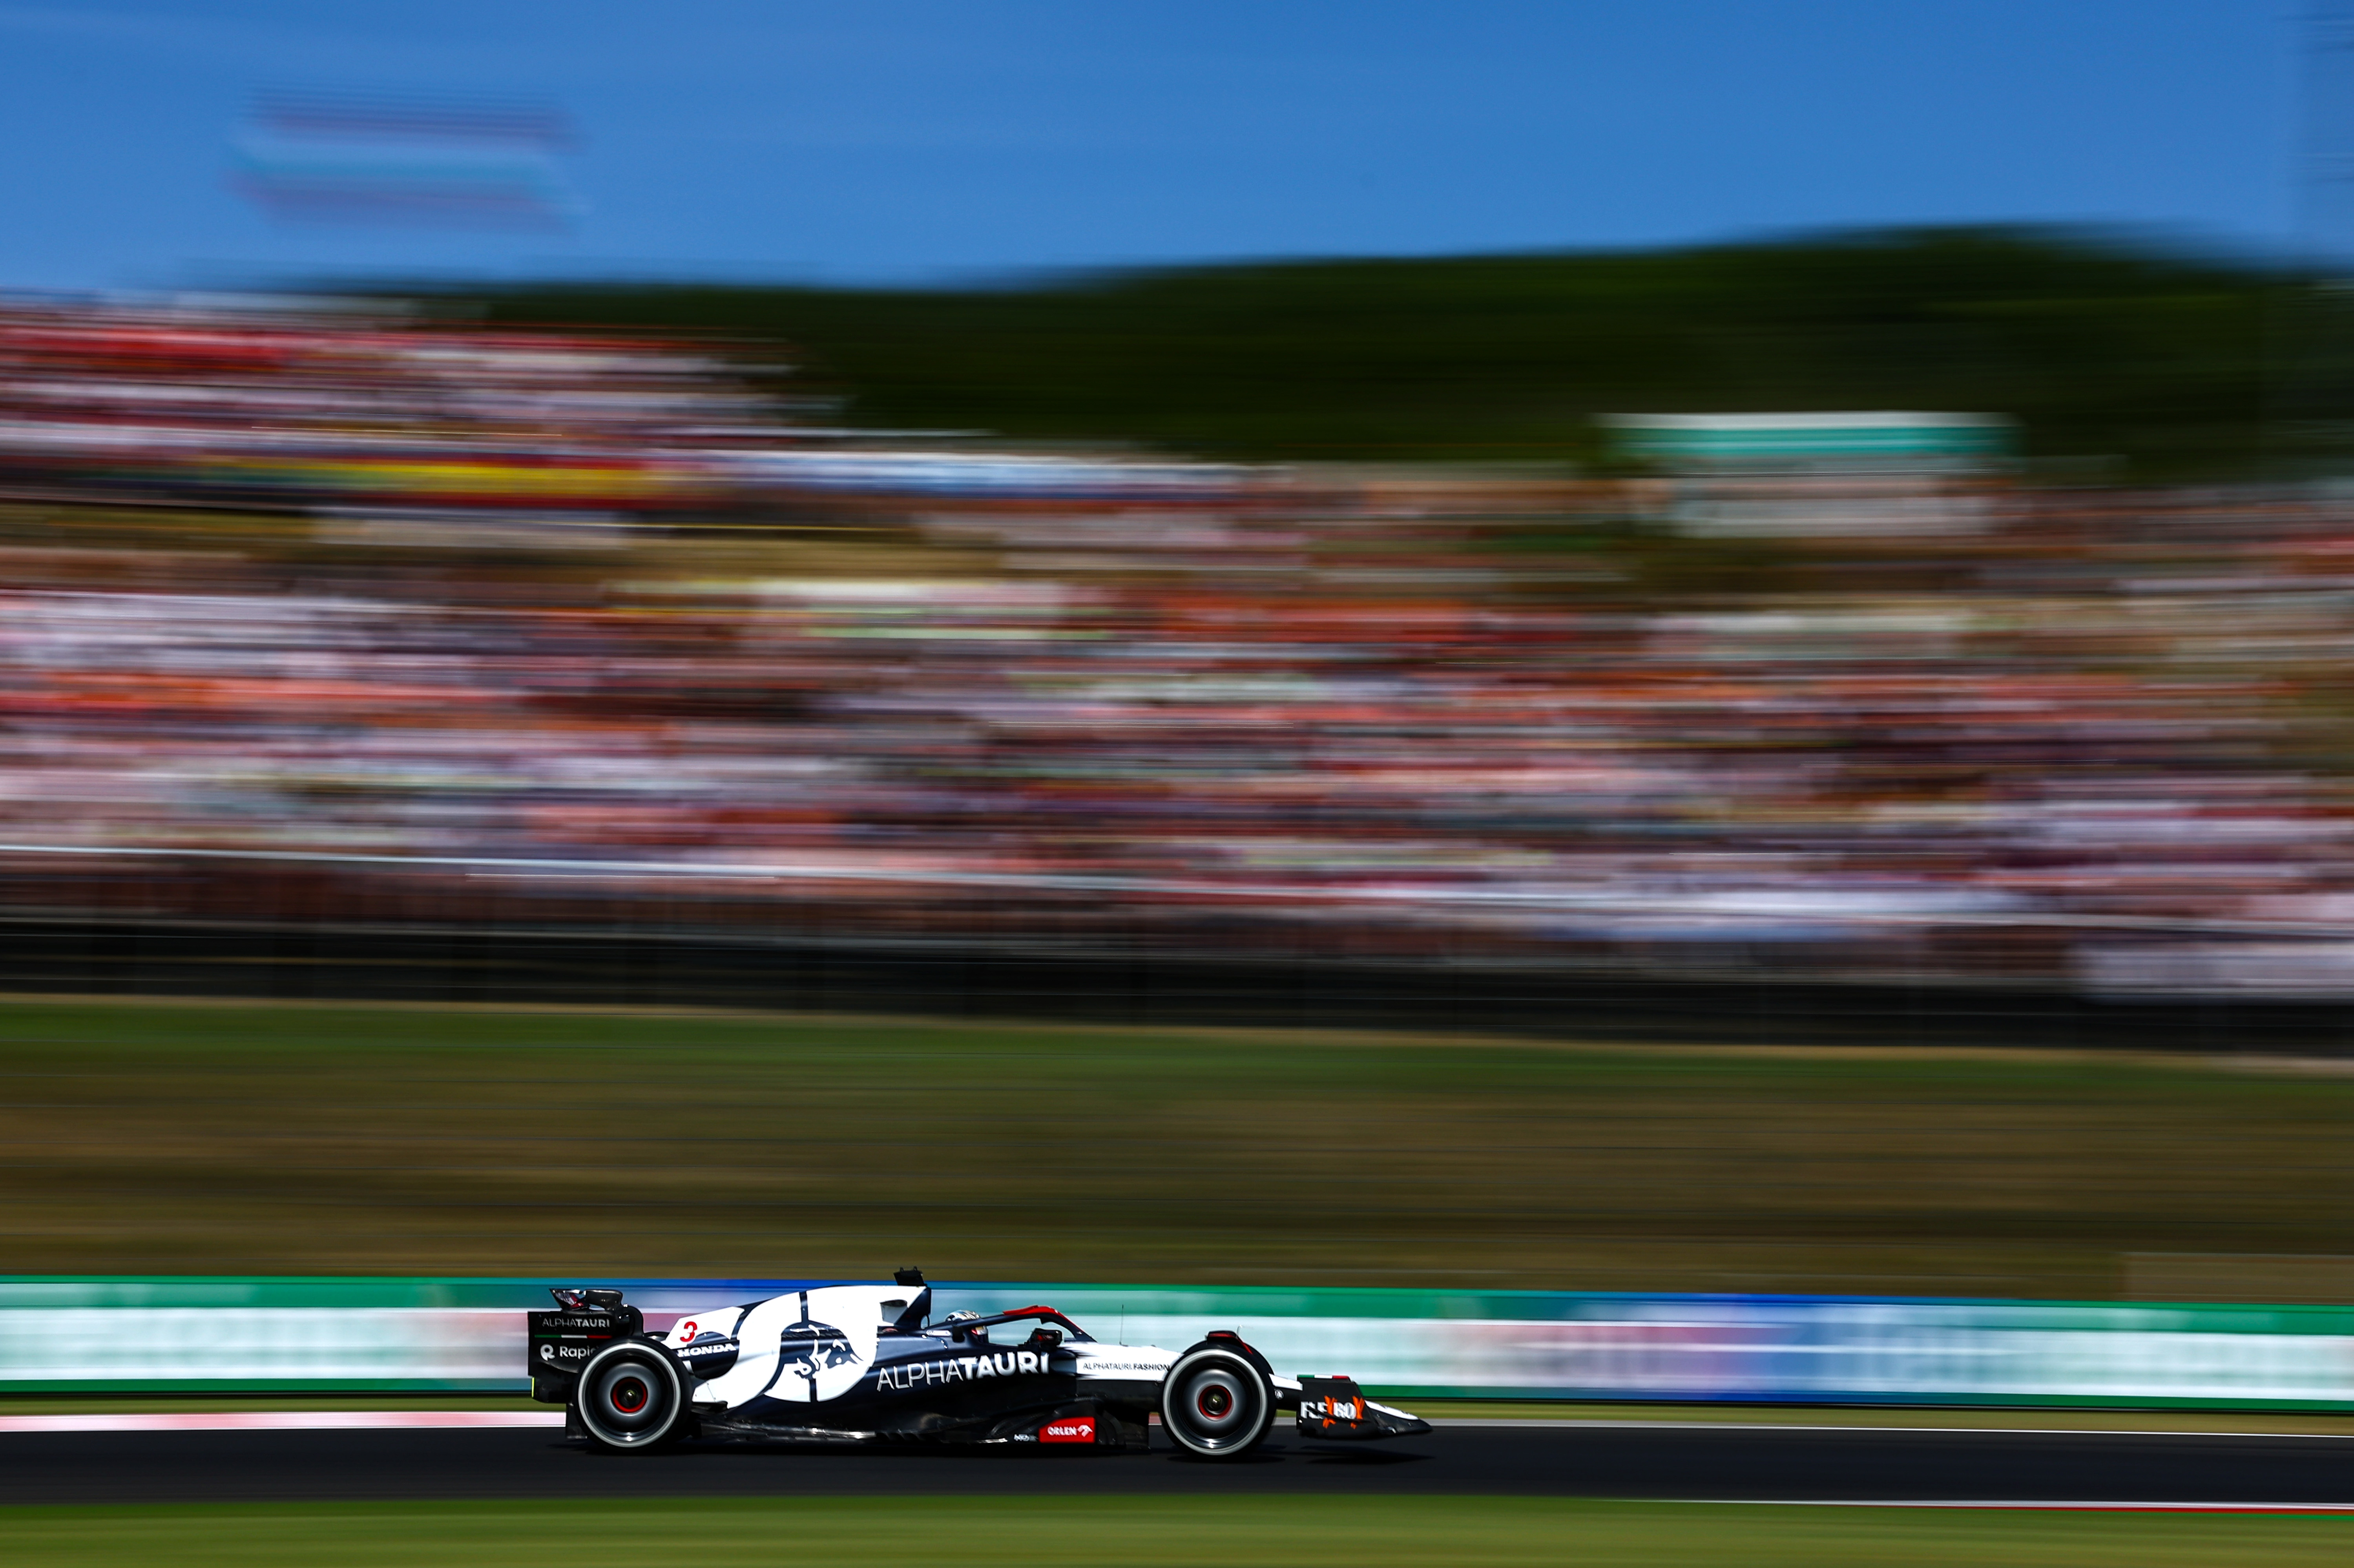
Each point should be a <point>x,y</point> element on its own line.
<point>914,140</point>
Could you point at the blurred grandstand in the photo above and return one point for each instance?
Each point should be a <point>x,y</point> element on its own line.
<point>486,671</point>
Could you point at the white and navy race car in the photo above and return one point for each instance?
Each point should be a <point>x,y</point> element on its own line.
<point>862,1363</point>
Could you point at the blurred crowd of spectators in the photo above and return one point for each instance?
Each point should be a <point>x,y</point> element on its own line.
<point>356,407</point>
<point>2102,742</point>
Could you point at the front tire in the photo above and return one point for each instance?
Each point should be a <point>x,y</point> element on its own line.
<point>631,1398</point>
<point>1214,1405</point>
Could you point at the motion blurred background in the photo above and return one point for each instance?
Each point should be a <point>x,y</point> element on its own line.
<point>1602,613</point>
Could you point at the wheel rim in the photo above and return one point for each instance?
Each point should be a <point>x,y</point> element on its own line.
<point>1215,1406</point>
<point>629,1402</point>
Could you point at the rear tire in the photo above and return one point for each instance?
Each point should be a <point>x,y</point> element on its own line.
<point>1216,1405</point>
<point>631,1398</point>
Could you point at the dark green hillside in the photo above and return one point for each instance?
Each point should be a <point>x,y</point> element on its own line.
<point>2178,365</point>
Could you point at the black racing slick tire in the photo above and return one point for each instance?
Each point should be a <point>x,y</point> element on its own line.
<point>631,1398</point>
<point>1214,1405</point>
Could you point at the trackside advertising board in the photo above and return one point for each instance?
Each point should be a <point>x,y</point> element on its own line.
<point>60,1334</point>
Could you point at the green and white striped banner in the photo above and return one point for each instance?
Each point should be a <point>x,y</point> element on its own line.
<point>187,1334</point>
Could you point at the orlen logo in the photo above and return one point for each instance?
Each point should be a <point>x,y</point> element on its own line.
<point>1074,1429</point>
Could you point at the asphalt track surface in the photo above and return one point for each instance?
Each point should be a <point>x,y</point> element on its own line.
<point>1632,1460</point>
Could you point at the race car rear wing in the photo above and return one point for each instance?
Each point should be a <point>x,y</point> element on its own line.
<point>561,1341</point>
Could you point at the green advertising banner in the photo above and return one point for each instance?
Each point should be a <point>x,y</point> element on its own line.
<point>173,1334</point>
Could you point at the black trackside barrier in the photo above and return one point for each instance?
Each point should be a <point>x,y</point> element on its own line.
<point>1104,980</point>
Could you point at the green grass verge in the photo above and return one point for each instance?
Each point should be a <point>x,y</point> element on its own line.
<point>1226,1533</point>
<point>235,1138</point>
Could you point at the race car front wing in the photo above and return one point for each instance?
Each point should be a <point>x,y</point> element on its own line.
<point>1335,1408</point>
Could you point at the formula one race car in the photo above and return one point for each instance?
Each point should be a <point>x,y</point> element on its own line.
<point>859,1363</point>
